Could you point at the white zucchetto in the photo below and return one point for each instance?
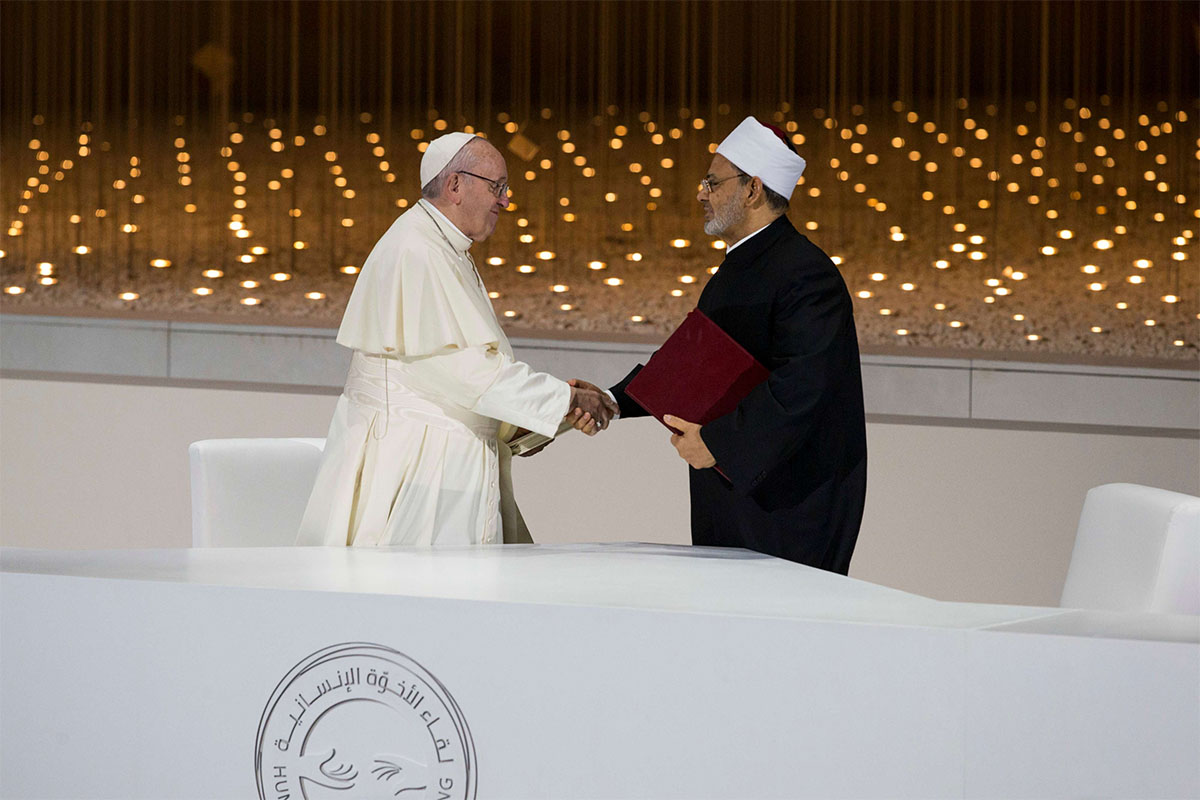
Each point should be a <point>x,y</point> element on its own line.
<point>439,153</point>
<point>759,152</point>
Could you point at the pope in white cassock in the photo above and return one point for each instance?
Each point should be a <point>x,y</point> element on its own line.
<point>416,452</point>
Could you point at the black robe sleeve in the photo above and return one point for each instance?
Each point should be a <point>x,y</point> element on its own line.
<point>810,320</point>
<point>628,407</point>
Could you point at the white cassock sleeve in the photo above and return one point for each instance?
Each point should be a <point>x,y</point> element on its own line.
<point>489,383</point>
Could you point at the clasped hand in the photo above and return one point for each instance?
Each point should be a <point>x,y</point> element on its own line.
<point>591,410</point>
<point>591,407</point>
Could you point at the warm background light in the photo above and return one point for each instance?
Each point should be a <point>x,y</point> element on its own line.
<point>923,192</point>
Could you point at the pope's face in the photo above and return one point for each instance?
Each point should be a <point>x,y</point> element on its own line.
<point>480,207</point>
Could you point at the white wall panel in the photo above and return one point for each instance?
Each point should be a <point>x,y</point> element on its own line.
<point>258,355</point>
<point>1152,398</point>
<point>893,385</point>
<point>918,388</point>
<point>88,346</point>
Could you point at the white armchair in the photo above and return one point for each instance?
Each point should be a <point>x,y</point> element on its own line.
<point>251,492</point>
<point>1136,549</point>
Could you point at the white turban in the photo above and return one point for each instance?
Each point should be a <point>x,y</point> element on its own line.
<point>439,153</point>
<point>759,152</point>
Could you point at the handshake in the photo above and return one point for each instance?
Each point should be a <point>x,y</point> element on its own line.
<point>591,408</point>
<point>590,411</point>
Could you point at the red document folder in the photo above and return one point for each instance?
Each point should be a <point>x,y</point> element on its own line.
<point>700,373</point>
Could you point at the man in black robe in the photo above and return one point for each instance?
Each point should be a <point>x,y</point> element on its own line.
<point>794,451</point>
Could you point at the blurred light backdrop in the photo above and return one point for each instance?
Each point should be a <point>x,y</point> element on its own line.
<point>996,176</point>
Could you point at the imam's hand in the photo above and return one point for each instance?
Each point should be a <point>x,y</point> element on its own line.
<point>689,444</point>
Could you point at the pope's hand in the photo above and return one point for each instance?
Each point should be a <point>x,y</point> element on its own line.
<point>592,409</point>
<point>689,444</point>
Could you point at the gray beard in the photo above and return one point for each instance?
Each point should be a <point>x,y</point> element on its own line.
<point>722,221</point>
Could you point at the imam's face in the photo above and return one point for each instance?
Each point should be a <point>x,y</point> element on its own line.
<point>723,208</point>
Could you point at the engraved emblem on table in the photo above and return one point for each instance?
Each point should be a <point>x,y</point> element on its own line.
<point>363,717</point>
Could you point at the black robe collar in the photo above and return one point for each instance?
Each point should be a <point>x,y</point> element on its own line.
<point>749,251</point>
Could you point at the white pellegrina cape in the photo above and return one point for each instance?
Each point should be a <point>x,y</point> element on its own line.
<point>415,452</point>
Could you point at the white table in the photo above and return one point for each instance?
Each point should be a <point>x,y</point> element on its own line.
<point>602,671</point>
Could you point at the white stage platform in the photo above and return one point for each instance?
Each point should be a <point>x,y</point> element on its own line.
<point>606,671</point>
